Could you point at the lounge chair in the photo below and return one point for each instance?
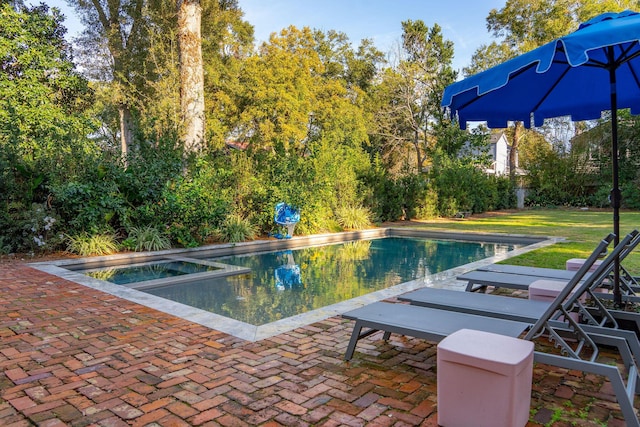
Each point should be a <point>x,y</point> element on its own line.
<point>478,280</point>
<point>554,273</point>
<point>579,346</point>
<point>524,310</point>
<point>434,325</point>
<point>410,321</point>
<point>539,272</point>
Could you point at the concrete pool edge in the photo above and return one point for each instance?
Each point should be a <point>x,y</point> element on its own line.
<point>445,279</point>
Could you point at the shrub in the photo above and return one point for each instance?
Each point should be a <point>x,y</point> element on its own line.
<point>461,186</point>
<point>354,218</point>
<point>147,239</point>
<point>94,205</point>
<point>30,229</point>
<point>84,244</point>
<point>505,194</point>
<point>383,195</point>
<point>630,194</point>
<point>428,207</point>
<point>236,229</point>
<point>195,205</point>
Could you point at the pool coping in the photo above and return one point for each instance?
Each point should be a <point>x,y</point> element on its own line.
<point>248,332</point>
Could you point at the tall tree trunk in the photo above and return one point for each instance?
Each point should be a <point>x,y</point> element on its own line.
<point>126,131</point>
<point>513,153</point>
<point>118,38</point>
<point>416,145</point>
<point>191,74</point>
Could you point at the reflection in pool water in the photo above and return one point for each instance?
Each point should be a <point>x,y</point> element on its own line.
<point>288,275</point>
<point>158,270</point>
<point>286,283</point>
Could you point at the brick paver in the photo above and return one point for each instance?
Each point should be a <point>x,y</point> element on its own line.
<point>73,356</point>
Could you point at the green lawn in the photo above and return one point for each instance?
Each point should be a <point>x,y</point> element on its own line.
<point>583,229</point>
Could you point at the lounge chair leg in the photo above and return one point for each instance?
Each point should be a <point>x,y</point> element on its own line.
<point>355,336</point>
<point>624,399</point>
<point>470,287</point>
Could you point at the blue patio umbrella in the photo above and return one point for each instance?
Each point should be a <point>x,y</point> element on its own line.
<point>594,69</point>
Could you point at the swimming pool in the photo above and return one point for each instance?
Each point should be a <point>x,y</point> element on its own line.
<point>259,289</point>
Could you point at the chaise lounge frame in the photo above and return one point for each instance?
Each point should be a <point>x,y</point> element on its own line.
<point>578,344</point>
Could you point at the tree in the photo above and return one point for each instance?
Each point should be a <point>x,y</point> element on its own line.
<point>227,41</point>
<point>409,95</point>
<point>487,56</point>
<point>43,127</point>
<point>168,67</point>
<point>119,28</point>
<point>526,24</point>
<point>291,101</point>
<point>191,75</point>
<point>42,97</point>
<point>356,68</point>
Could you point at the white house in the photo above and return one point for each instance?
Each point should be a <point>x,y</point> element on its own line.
<point>499,152</point>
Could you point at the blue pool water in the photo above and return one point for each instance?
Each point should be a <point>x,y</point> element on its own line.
<point>153,271</point>
<point>286,283</point>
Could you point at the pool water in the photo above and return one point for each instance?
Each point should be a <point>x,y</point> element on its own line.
<point>137,273</point>
<point>286,283</point>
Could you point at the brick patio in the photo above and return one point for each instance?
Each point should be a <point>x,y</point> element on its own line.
<point>71,355</point>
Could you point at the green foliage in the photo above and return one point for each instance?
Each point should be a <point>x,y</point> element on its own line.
<point>32,229</point>
<point>553,178</point>
<point>42,99</point>
<point>236,229</point>
<point>93,205</point>
<point>428,206</point>
<point>391,198</point>
<point>631,194</point>
<point>317,185</point>
<point>354,218</point>
<point>408,117</point>
<point>147,239</point>
<point>505,194</point>
<point>85,244</point>
<point>149,168</point>
<point>463,187</point>
<point>305,107</point>
<point>194,205</point>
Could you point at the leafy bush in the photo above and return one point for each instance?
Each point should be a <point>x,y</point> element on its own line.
<point>505,194</point>
<point>428,206</point>
<point>457,185</point>
<point>149,169</point>
<point>404,196</point>
<point>85,244</point>
<point>147,239</point>
<point>195,205</point>
<point>354,218</point>
<point>93,202</point>
<point>30,229</point>
<point>236,229</point>
<point>631,194</point>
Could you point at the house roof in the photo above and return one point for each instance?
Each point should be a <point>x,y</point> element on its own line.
<point>496,136</point>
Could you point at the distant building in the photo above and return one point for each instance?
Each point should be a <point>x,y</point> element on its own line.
<point>498,152</point>
<point>499,149</point>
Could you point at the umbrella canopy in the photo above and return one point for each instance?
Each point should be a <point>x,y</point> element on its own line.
<point>594,69</point>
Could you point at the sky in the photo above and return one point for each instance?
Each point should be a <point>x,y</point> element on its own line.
<point>463,21</point>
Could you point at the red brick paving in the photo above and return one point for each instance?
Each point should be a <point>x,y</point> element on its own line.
<point>73,356</point>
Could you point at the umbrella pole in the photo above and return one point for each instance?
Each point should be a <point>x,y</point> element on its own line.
<point>615,192</point>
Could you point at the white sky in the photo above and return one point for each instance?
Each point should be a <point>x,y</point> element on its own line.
<point>462,21</point>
